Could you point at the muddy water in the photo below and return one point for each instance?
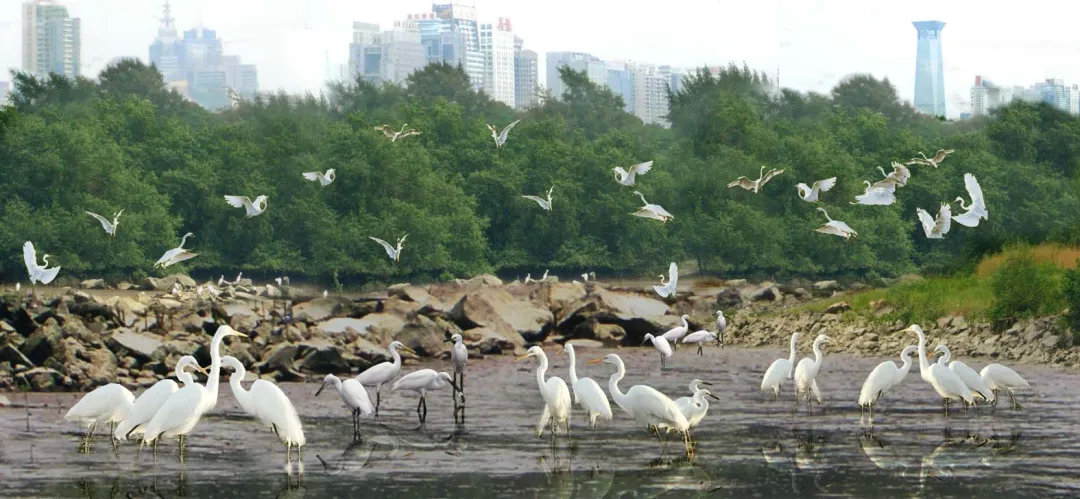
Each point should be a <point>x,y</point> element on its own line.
<point>748,443</point>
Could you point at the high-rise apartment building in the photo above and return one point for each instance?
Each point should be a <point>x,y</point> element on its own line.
<point>50,39</point>
<point>986,96</point>
<point>526,76</point>
<point>497,44</point>
<point>461,19</point>
<point>595,69</point>
<point>166,52</point>
<point>650,93</point>
<point>386,56</point>
<point>620,80</point>
<point>929,74</point>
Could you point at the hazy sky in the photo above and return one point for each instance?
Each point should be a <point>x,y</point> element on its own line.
<point>812,43</point>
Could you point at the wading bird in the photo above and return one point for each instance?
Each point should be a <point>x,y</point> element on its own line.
<point>809,193</point>
<point>653,211</point>
<point>183,409</point>
<point>110,227</point>
<point>755,185</point>
<point>629,176</point>
<point>500,137</point>
<point>587,392</point>
<point>545,204</point>
<point>885,376</point>
<point>667,288</point>
<point>661,345</point>
<point>835,227</point>
<point>459,356</point>
<point>324,179</point>
<point>555,394</point>
<point>267,403</point>
<point>674,334</point>
<point>393,135</point>
<point>875,195</point>
<point>977,209</point>
<point>646,405</point>
<point>106,404</point>
<point>806,374</point>
<point>38,273</point>
<point>148,403</point>
<point>699,338</point>
<point>935,228</point>
<point>721,326</point>
<point>969,376</point>
<point>251,208</point>
<point>420,382</point>
<point>934,161</point>
<point>941,378</point>
<point>780,370</point>
<point>353,394</point>
<point>393,252</point>
<point>381,374</point>
<point>695,407</point>
<point>177,254</point>
<point>999,377</point>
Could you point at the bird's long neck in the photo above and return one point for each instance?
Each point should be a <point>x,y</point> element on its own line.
<point>827,217</point>
<point>337,385</point>
<point>699,398</point>
<point>182,241</point>
<point>907,364</point>
<point>396,356</point>
<point>685,324</point>
<point>215,367</point>
<point>817,355</point>
<point>924,365</point>
<point>945,355</point>
<point>182,375</point>
<point>613,384</point>
<point>235,379</point>
<point>573,366</point>
<point>761,173</point>
<point>791,356</point>
<point>541,369</point>
<point>642,196</point>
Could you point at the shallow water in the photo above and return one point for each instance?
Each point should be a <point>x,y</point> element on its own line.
<point>747,445</point>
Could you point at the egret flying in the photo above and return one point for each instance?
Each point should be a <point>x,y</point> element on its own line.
<point>667,288</point>
<point>977,209</point>
<point>587,392</point>
<point>110,403</point>
<point>251,208</point>
<point>755,185</point>
<point>936,228</point>
<point>38,273</point>
<point>629,176</point>
<point>885,376</point>
<point>835,227</point>
<point>393,135</point>
<point>999,377</point>
<point>661,345</point>
<point>780,370</point>
<point>555,394</point>
<point>809,193</point>
<point>545,204</point>
<point>148,403</point>
<point>420,382</point>
<point>876,195</point>
<point>646,405</point>
<point>806,374</point>
<point>897,178</point>
<point>381,374</point>
<point>177,254</point>
<point>324,179</point>
<point>500,137</point>
<point>353,394</point>
<point>934,161</point>
<point>653,211</point>
<point>393,252</point>
<point>110,227</point>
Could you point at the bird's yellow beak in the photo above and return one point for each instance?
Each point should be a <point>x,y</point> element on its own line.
<point>201,369</point>
<point>407,349</point>
<point>595,361</point>
<point>523,357</point>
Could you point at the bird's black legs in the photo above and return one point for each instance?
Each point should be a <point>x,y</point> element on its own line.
<point>699,349</point>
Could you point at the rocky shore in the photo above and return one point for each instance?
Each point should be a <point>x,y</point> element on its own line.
<point>75,339</point>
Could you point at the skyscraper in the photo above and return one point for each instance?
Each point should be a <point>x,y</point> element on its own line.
<point>165,52</point>
<point>51,39</point>
<point>497,44</point>
<point>461,19</point>
<point>650,93</point>
<point>388,56</point>
<point>595,69</point>
<point>929,76</point>
<point>526,76</point>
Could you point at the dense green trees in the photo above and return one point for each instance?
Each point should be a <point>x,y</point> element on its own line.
<point>125,141</point>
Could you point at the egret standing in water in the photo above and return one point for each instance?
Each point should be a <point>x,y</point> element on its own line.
<point>267,403</point>
<point>969,376</point>
<point>381,374</point>
<point>646,405</point>
<point>806,374</point>
<point>999,377</point>
<point>106,404</point>
<point>420,382</point>
<point>459,356</point>
<point>148,403</point>
<point>353,394</point>
<point>661,345</point>
<point>885,376</point>
<point>941,378</point>
<point>587,393</point>
<point>555,394</point>
<point>721,326</point>
<point>699,338</point>
<point>780,370</point>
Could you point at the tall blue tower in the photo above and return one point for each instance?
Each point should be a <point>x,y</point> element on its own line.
<point>929,77</point>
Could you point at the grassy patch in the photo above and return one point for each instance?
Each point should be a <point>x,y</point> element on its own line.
<point>1063,257</point>
<point>919,301</point>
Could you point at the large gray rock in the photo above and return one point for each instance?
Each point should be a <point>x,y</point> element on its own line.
<point>166,283</point>
<point>441,303</point>
<point>427,335</point>
<point>320,356</point>
<point>43,342</point>
<point>561,295</point>
<point>318,309</point>
<point>92,284</point>
<point>141,346</point>
<point>636,314</point>
<point>497,309</point>
<point>824,288</point>
<point>489,341</point>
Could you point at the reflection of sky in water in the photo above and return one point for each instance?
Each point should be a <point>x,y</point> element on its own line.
<point>748,444</point>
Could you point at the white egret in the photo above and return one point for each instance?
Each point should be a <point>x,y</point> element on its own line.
<point>780,370</point>
<point>646,405</point>
<point>183,409</point>
<point>941,378</point>
<point>661,345</point>
<point>721,326</point>
<point>459,356</point>
<point>555,394</point>
<point>544,277</point>
<point>396,135</point>
<point>353,394</point>
<point>676,333</point>
<point>587,392</point>
<point>324,179</point>
<point>110,403</point>
<point>934,161</point>
<point>110,227</point>
<point>420,382</point>
<point>381,374</point>
<point>629,176</point>
<point>177,254</point>
<point>897,178</point>
<point>876,195</point>
<point>500,137</point>
<point>267,403</point>
<point>694,408</point>
<point>806,373</point>
<point>936,228</point>
<point>653,211</point>
<point>699,338</point>
<point>393,252</point>
<point>545,204</point>
<point>148,403</point>
<point>695,385</point>
<point>755,185</point>
<point>835,227</point>
<point>969,376</point>
<point>251,208</point>
<point>999,377</point>
<point>885,376</point>
<point>38,273</point>
<point>809,193</point>
<point>667,288</point>
<point>977,209</point>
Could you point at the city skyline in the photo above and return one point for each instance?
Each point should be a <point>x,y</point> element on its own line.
<point>812,45</point>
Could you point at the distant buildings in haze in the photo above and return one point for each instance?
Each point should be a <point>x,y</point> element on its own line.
<point>51,40</point>
<point>986,96</point>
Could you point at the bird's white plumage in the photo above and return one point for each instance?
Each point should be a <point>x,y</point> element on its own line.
<point>629,176</point>
<point>38,273</point>
<point>780,369</point>
<point>394,252</point>
<point>545,204</point>
<point>587,392</point>
<point>999,377</point>
<point>809,193</point>
<point>885,376</point>
<point>936,228</point>
<point>110,403</point>
<point>267,403</point>
<point>352,393</point>
<point>806,372</point>
<point>934,161</point>
<point>661,345</point>
<point>110,227</point>
<point>177,254</point>
<point>422,380</point>
<point>835,227</point>
<point>694,408</point>
<point>396,135</point>
<point>555,393</point>
<point>644,404</point>
<point>148,403</point>
<point>674,334</point>
<point>699,337</point>
<point>653,211</point>
<point>976,211</point>
<point>324,179</point>
<point>969,376</point>
<point>755,185</point>
<point>381,374</point>
<point>948,384</point>
<point>500,137</point>
<point>877,195</point>
<point>459,355</point>
<point>251,208</point>
<point>667,288</point>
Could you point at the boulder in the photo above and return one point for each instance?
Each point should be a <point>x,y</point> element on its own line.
<point>141,346</point>
<point>11,354</point>
<point>729,298</point>
<point>426,335</point>
<point>824,288</point>
<point>838,308</point>
<point>489,341</point>
<point>483,280</point>
<point>278,358</point>
<point>92,284</point>
<point>561,295</point>
<point>428,303</point>
<point>166,283</point>
<point>43,378</point>
<point>271,292</point>
<point>321,357</point>
<point>767,292</point>
<point>497,309</point>
<point>636,314</point>
<point>319,309</point>
<point>387,323</point>
<point>611,335</point>
<point>41,344</point>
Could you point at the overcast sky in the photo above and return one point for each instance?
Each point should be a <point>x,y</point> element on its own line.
<point>812,43</point>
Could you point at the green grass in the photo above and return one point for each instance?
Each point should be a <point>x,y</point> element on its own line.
<point>920,301</point>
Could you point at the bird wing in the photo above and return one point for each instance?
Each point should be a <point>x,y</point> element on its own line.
<point>901,173</point>
<point>844,227</point>
<point>377,374</point>
<point>592,397</point>
<point>974,190</point>
<point>673,275</point>
<point>30,257</point>
<point>506,130</point>
<point>48,275</point>
<point>105,224</point>
<point>967,219</point>
<point>180,407</point>
<point>238,201</point>
<point>179,257</point>
<point>829,229</point>
<point>876,197</point>
<point>943,222</point>
<point>743,182</point>
<point>647,213</point>
<point>415,380</point>
<point>386,130</point>
<point>539,200</point>
<point>768,176</point>
<point>641,168</point>
<point>660,211</point>
<point>390,250</point>
<point>926,220</point>
<point>826,184</point>
<point>312,176</point>
<point>941,153</point>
